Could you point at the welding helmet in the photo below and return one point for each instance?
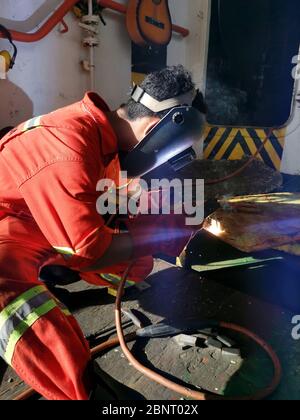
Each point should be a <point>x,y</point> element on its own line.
<point>177,131</point>
<point>9,58</point>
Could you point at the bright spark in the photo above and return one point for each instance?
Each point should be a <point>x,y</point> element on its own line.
<point>215,228</point>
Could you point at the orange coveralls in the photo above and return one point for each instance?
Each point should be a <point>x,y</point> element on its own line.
<point>49,169</point>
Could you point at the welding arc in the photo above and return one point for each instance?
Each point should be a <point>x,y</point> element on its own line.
<point>181,390</point>
<point>245,166</point>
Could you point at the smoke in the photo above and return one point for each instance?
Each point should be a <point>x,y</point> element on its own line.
<point>226,105</point>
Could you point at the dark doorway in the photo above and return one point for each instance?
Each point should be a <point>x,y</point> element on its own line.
<point>251,48</point>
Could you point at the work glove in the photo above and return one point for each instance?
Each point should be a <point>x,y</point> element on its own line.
<point>159,234</point>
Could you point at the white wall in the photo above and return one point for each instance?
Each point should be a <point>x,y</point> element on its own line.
<point>113,59</point>
<point>191,51</point>
<point>290,163</point>
<point>48,75</point>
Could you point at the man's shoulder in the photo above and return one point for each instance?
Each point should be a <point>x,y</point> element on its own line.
<point>84,115</point>
<point>71,117</point>
<point>71,129</point>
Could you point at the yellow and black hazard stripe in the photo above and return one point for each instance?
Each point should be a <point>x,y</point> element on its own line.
<point>235,143</point>
<point>137,78</point>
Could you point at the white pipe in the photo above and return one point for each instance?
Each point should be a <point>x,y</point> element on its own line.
<point>89,24</point>
<point>92,55</point>
<point>90,5</point>
<point>92,69</point>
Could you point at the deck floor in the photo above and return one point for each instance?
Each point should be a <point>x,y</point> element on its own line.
<point>175,294</point>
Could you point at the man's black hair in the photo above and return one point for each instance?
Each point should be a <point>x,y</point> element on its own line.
<point>161,85</point>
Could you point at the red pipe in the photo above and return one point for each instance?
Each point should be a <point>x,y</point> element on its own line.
<point>121,8</point>
<point>59,14</point>
<point>57,17</point>
<point>180,30</point>
<point>113,5</point>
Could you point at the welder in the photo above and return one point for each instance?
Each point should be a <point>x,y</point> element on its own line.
<point>49,170</point>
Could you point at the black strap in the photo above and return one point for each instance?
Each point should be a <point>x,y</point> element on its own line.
<point>7,35</point>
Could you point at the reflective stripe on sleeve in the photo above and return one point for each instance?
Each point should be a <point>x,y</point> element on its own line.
<point>32,123</point>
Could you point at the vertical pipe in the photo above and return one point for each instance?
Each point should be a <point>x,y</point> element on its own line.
<point>92,68</point>
<point>90,6</point>
<point>92,52</point>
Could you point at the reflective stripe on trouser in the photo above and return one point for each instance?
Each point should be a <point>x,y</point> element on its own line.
<point>46,348</point>
<point>21,314</point>
<point>115,280</point>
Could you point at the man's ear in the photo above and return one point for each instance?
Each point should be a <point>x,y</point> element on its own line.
<point>152,122</point>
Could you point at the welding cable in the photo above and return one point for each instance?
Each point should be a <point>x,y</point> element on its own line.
<point>245,166</point>
<point>181,390</point>
<point>184,391</point>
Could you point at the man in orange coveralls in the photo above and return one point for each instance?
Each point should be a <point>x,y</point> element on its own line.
<point>49,169</point>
